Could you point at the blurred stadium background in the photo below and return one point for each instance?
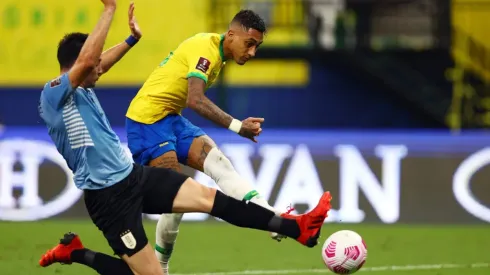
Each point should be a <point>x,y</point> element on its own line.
<point>385,103</point>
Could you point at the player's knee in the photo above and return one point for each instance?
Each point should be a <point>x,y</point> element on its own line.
<point>144,262</point>
<point>153,269</point>
<point>217,164</point>
<point>194,197</point>
<point>207,197</point>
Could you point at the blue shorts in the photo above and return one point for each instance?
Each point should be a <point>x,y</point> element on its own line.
<point>149,141</point>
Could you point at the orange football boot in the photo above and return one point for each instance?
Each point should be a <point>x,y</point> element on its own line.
<point>62,252</point>
<point>311,223</point>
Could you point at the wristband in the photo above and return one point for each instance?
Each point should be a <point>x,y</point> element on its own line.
<point>235,125</point>
<point>131,40</point>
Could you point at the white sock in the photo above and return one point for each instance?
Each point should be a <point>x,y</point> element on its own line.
<point>219,168</point>
<point>166,234</point>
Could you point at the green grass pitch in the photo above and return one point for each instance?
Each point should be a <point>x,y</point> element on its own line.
<point>214,247</point>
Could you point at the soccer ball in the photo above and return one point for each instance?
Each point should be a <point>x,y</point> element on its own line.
<point>344,252</point>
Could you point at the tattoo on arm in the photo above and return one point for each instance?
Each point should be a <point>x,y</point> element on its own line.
<point>203,105</point>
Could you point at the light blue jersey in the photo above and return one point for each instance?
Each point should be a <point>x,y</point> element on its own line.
<point>82,134</point>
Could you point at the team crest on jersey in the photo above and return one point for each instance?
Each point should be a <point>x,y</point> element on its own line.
<point>203,65</point>
<point>128,239</point>
<point>55,82</point>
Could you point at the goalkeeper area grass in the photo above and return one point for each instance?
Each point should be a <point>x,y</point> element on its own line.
<point>216,248</point>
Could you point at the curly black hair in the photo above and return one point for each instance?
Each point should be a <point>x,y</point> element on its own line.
<point>69,48</point>
<point>250,20</point>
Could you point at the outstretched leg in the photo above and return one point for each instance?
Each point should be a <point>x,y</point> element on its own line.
<point>188,195</point>
<point>205,156</point>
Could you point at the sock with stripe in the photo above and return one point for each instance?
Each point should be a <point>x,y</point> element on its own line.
<point>218,167</point>
<point>166,235</point>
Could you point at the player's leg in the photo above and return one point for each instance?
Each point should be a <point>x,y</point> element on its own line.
<point>199,151</point>
<point>154,145</point>
<point>169,191</point>
<point>168,224</point>
<point>71,250</point>
<point>142,262</point>
<point>205,156</point>
<point>194,197</point>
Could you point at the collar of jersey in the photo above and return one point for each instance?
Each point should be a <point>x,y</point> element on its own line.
<point>221,51</point>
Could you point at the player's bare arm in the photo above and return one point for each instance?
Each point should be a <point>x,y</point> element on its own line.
<point>114,54</point>
<point>201,104</point>
<point>89,56</point>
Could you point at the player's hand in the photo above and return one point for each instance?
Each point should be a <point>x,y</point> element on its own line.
<point>133,24</point>
<point>251,128</point>
<point>109,3</point>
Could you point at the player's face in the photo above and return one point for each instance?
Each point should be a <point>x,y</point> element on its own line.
<point>245,45</point>
<point>93,76</point>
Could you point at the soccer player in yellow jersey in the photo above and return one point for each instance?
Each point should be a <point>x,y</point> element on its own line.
<point>158,135</point>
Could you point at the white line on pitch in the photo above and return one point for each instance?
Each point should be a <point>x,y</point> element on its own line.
<point>365,269</point>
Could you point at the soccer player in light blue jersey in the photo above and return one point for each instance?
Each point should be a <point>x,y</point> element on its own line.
<point>116,191</point>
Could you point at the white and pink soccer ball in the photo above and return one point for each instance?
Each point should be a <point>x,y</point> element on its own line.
<point>344,252</point>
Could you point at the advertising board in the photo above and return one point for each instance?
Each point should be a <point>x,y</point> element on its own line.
<point>378,177</point>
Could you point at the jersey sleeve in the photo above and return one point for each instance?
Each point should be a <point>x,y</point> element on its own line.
<point>57,90</point>
<point>201,62</point>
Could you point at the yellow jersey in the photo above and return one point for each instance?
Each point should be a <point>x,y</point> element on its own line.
<point>165,90</point>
